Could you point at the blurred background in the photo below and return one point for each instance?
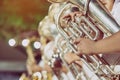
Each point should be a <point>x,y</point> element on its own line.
<point>19,20</point>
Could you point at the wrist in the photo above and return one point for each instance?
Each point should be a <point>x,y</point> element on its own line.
<point>97,48</point>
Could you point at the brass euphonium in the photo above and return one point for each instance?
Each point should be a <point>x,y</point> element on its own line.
<point>63,48</point>
<point>96,23</point>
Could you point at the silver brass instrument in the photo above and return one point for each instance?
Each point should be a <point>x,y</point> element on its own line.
<point>96,24</point>
<point>63,48</point>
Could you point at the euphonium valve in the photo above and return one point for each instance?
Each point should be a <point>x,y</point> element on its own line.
<point>63,48</point>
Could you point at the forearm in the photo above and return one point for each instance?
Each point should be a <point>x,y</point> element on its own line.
<point>108,45</point>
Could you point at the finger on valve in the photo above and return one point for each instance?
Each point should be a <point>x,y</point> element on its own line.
<point>71,57</point>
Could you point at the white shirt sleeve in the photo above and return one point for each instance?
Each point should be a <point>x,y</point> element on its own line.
<point>116,11</point>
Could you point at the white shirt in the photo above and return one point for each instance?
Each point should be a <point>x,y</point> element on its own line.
<point>116,11</point>
<point>49,50</point>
